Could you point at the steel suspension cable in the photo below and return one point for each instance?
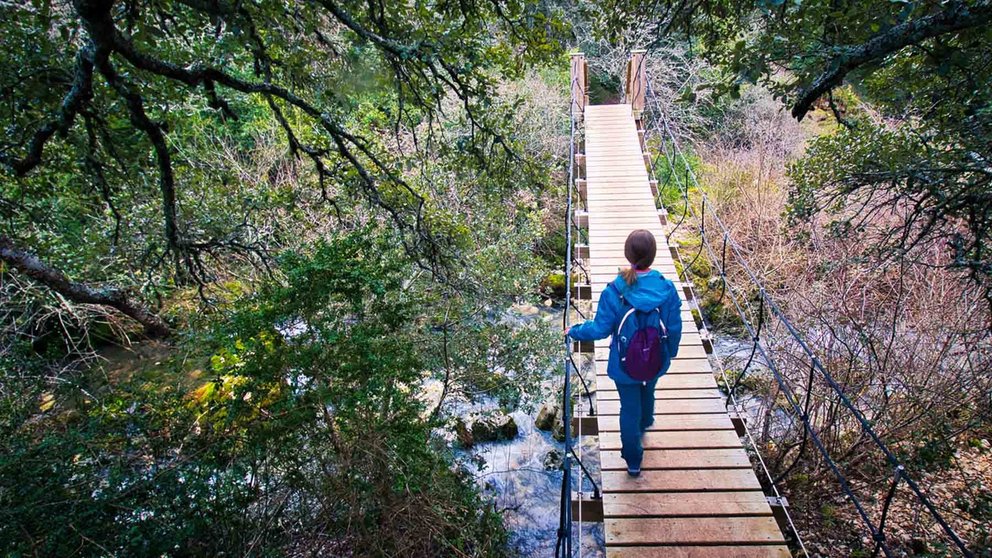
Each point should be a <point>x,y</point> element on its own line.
<point>563,546</point>
<point>731,395</point>
<point>774,310</point>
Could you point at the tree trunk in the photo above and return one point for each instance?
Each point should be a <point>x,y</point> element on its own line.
<point>29,264</point>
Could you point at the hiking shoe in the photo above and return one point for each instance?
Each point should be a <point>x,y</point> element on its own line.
<point>634,472</point>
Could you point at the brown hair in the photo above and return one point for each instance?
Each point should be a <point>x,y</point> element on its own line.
<point>639,250</point>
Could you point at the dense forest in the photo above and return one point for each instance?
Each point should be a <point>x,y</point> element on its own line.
<point>258,258</point>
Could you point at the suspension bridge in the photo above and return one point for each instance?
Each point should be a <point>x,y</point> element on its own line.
<point>698,494</point>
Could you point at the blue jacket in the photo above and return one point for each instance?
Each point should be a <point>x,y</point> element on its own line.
<point>649,292</point>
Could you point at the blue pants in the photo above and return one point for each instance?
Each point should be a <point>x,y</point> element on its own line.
<point>636,415</point>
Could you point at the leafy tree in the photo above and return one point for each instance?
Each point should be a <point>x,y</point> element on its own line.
<point>922,146</point>
<point>115,90</point>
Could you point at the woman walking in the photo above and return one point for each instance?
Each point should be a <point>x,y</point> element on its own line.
<point>642,311</point>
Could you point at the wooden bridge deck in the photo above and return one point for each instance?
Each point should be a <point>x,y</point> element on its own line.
<point>697,495</point>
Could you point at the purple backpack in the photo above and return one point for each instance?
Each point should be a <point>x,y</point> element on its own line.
<point>641,339</point>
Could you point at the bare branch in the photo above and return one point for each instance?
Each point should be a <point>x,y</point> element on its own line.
<point>30,265</point>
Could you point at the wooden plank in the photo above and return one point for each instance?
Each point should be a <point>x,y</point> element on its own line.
<point>692,530</point>
<point>635,210</point>
<point>614,191</point>
<point>601,273</point>
<point>610,261</point>
<point>600,277</point>
<point>624,139</point>
<point>617,134</point>
<point>660,395</point>
<point>623,163</point>
<point>641,203</point>
<point>616,151</point>
<point>633,182</point>
<point>613,238</point>
<point>671,407</point>
<point>614,216</point>
<point>627,158</point>
<point>616,147</point>
<point>691,386</point>
<point>699,381</point>
<point>758,551</point>
<point>663,397</point>
<point>681,480</point>
<point>645,200</point>
<point>624,171</point>
<point>601,168</point>
<point>709,439</point>
<point>655,459</point>
<point>620,226</point>
<point>617,158</point>
<point>604,124</point>
<point>698,504</point>
<point>680,364</point>
<point>691,351</point>
<point>683,363</point>
<point>662,423</point>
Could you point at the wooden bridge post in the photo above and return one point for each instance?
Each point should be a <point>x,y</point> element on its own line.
<point>579,74</point>
<point>637,81</point>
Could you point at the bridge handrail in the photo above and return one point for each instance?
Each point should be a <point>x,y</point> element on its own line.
<point>563,545</point>
<point>899,473</point>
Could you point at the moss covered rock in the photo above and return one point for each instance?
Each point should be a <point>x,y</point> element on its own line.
<point>494,428</point>
<point>547,416</point>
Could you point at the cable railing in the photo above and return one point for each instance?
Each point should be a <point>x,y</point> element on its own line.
<point>563,545</point>
<point>756,327</point>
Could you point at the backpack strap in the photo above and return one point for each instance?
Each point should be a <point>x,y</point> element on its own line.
<point>623,303</point>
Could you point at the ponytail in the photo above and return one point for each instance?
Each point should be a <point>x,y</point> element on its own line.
<point>629,275</point>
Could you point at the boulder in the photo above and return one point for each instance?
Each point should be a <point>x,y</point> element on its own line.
<point>553,460</point>
<point>546,417</point>
<point>525,309</point>
<point>558,432</point>
<point>463,433</point>
<point>494,428</point>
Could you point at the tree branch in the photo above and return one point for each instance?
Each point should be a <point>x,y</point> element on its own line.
<point>31,266</point>
<point>956,17</point>
<point>80,92</point>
